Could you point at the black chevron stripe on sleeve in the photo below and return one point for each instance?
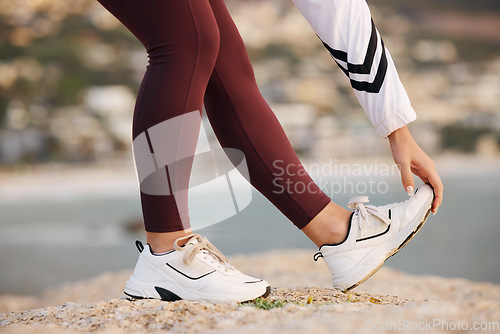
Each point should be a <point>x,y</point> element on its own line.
<point>337,54</point>
<point>346,72</point>
<point>365,68</point>
<point>376,85</point>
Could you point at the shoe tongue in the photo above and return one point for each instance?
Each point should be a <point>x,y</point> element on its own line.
<point>372,225</point>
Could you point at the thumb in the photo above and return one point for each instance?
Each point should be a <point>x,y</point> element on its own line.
<point>407,178</point>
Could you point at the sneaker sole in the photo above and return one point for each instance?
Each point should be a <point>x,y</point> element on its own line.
<point>392,253</point>
<point>169,296</point>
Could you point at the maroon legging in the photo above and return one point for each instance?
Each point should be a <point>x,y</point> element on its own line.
<point>197,55</point>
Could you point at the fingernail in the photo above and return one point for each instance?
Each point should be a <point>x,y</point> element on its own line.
<point>435,211</point>
<point>409,190</point>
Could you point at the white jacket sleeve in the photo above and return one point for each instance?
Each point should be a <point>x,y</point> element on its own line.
<point>347,31</point>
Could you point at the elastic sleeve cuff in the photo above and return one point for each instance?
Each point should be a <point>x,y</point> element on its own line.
<point>395,121</point>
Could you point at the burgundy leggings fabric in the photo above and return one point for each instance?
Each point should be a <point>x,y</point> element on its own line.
<point>196,57</point>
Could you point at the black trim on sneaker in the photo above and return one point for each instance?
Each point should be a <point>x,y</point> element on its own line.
<point>192,278</point>
<point>166,295</point>
<point>390,214</point>
<point>139,245</point>
<point>347,236</point>
<point>253,282</point>
<point>376,235</point>
<point>134,297</point>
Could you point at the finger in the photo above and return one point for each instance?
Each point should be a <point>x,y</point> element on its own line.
<point>420,175</point>
<point>407,178</point>
<point>436,183</point>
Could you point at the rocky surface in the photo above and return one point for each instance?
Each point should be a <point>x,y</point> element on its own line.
<point>390,301</point>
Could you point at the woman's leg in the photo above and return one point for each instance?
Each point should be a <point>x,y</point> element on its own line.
<point>182,41</point>
<point>353,246</point>
<point>242,119</point>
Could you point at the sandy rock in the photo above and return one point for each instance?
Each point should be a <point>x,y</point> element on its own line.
<point>390,301</point>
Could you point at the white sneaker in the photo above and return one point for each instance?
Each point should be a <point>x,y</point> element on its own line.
<point>195,271</point>
<point>375,234</point>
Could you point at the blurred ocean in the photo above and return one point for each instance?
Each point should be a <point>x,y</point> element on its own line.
<point>58,234</point>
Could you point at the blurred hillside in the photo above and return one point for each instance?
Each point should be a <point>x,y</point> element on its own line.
<point>471,25</point>
<point>69,73</point>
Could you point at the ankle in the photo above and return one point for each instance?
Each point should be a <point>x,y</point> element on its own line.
<point>330,226</point>
<point>338,230</point>
<point>163,242</point>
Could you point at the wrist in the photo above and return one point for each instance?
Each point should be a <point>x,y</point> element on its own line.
<point>398,134</point>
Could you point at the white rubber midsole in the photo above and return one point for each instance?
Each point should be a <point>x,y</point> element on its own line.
<point>137,288</point>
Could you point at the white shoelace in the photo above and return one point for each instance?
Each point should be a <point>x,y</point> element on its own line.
<point>358,205</point>
<point>211,253</point>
